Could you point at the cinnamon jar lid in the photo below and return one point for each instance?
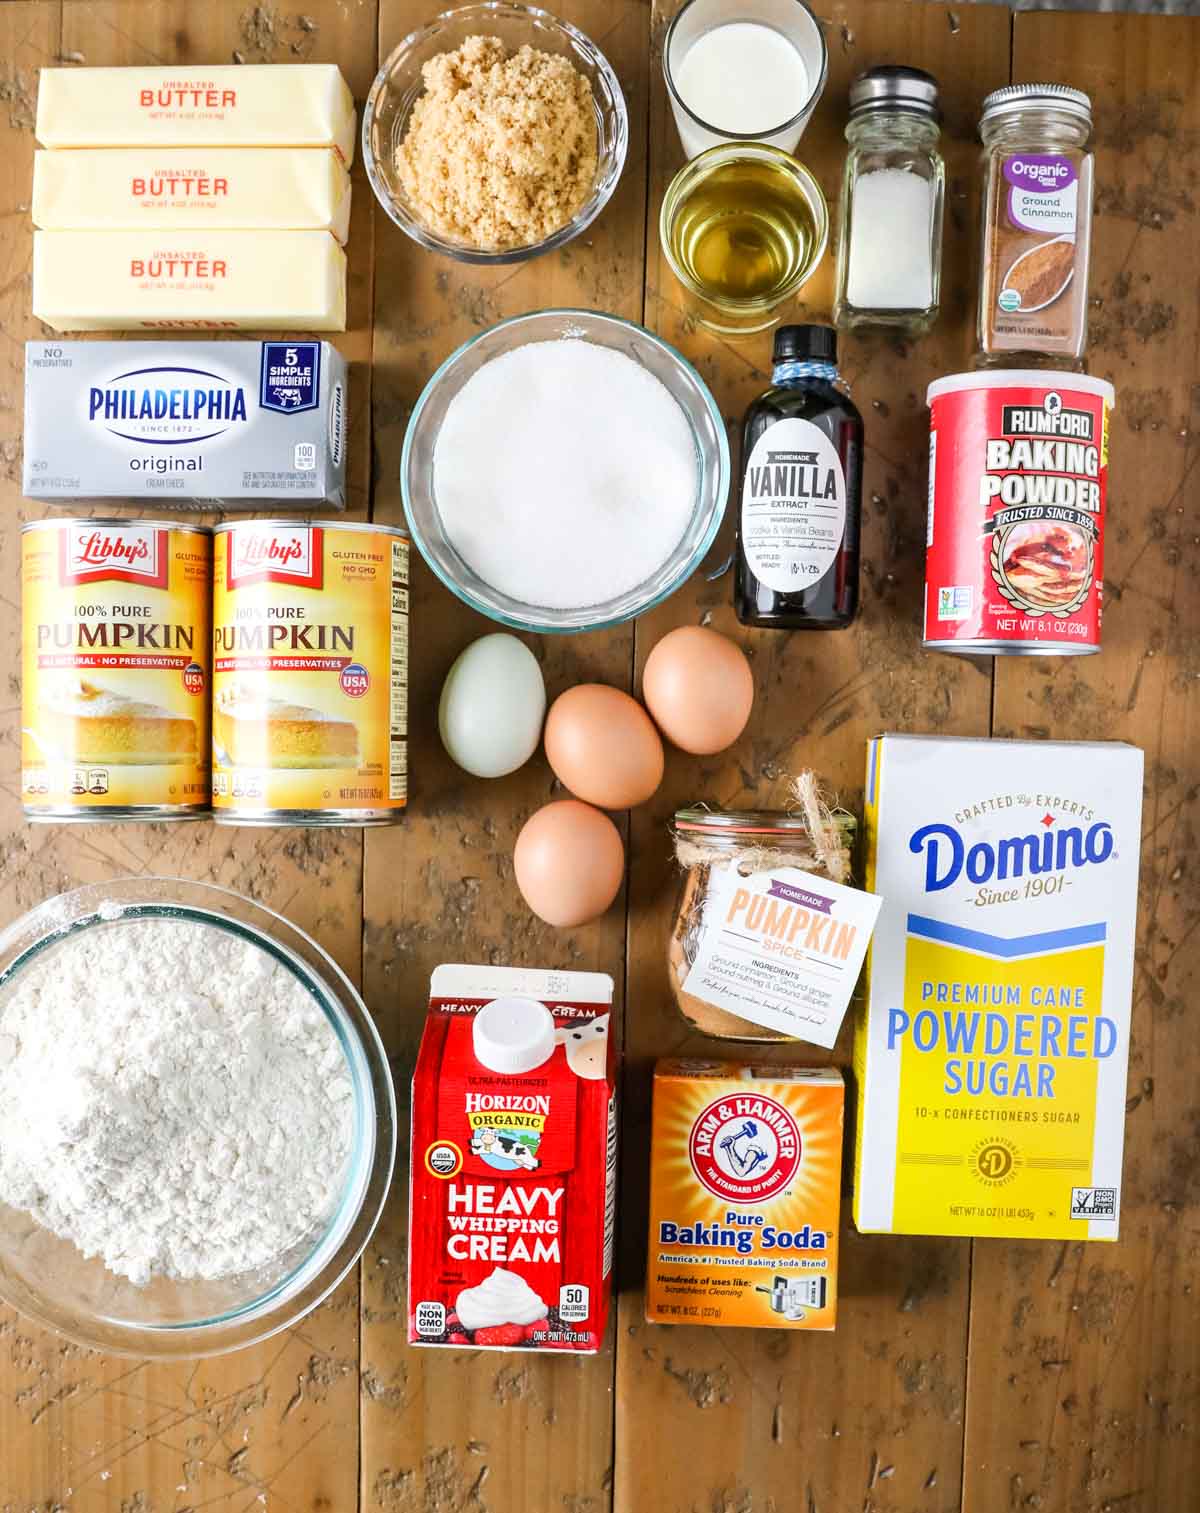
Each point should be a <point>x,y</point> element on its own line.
<point>1016,97</point>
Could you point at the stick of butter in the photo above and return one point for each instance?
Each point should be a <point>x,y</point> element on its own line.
<point>185,188</point>
<point>189,281</point>
<point>222,105</point>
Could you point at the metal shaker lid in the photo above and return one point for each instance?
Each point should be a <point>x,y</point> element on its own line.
<point>894,86</point>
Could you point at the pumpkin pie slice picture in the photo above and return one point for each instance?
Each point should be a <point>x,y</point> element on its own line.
<point>253,729</point>
<point>81,721</point>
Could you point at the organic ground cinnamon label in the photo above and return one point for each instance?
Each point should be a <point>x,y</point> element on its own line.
<point>1037,223</point>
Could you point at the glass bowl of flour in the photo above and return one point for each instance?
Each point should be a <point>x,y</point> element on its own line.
<point>197,1120</point>
<point>565,471</point>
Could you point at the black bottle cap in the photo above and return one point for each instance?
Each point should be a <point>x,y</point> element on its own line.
<point>805,344</point>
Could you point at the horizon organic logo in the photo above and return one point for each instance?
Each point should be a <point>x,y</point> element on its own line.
<point>275,554</point>
<point>133,553</point>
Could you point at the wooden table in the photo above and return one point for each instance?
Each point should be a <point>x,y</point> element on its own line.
<point>988,1376</point>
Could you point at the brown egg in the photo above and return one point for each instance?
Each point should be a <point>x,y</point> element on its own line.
<point>699,688</point>
<point>603,746</point>
<point>569,862</point>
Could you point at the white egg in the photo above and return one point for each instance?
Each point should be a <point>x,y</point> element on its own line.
<point>492,707</point>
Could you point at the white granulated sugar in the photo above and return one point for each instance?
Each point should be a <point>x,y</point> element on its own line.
<point>565,473</point>
<point>172,1100</point>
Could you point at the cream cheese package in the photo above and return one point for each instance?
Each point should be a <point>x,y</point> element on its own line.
<point>243,423</point>
<point>189,280</point>
<point>192,188</point>
<point>227,105</point>
<point>992,1050</point>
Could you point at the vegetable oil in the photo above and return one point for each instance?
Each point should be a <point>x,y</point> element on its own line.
<point>743,226</point>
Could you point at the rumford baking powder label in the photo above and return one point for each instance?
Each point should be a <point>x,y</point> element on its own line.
<point>513,1190</point>
<point>991,1054</point>
<point>116,671</point>
<point>745,1195</point>
<point>310,669</point>
<point>1018,474</point>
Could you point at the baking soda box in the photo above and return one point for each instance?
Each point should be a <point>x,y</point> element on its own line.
<point>991,1056</point>
<point>745,1195</point>
<point>512,1200</point>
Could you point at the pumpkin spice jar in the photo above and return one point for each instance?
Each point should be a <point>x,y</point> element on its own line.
<point>1037,222</point>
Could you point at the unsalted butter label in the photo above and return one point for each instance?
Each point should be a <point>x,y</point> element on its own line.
<point>222,105</point>
<point>192,188</point>
<point>783,949</point>
<point>189,281</point>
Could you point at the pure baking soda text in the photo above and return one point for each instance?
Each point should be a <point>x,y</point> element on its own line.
<point>745,1193</point>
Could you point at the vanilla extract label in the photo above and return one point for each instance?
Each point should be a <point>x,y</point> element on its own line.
<point>793,514</point>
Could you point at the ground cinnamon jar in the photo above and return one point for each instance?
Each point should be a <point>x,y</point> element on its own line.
<point>1037,223</point>
<point>708,845</point>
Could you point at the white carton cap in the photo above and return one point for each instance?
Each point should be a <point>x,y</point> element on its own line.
<point>513,1035</point>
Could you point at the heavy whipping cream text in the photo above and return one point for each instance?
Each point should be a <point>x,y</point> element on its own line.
<point>513,1161</point>
<point>991,1055</point>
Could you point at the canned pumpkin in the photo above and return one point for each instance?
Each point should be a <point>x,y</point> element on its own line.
<point>115,685</point>
<point>310,674</point>
<point>1018,474</point>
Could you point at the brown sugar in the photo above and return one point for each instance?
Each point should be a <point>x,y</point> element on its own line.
<point>500,151</point>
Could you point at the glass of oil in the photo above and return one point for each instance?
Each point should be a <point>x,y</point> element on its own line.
<point>743,226</point>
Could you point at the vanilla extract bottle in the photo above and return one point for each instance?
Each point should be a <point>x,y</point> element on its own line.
<point>800,508</point>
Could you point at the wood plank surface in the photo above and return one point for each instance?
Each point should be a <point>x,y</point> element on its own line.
<point>983,1377</point>
<point>447,1429</point>
<point>276,1423</point>
<point>1084,1369</point>
<point>759,1417</point>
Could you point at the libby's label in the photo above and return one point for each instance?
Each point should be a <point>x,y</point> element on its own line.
<point>745,1191</point>
<point>310,669</point>
<point>1018,479</point>
<point>991,1054</point>
<point>116,666</point>
<point>793,514</point>
<point>513,1165</point>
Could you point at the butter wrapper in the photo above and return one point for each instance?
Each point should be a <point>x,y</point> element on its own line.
<point>192,189</point>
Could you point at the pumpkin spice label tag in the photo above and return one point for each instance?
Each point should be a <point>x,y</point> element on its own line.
<point>783,949</point>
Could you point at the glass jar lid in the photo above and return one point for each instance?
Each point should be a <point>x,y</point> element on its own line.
<point>895,86</point>
<point>1017,97</point>
<point>750,821</point>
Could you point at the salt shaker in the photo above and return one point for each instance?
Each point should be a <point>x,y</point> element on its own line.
<point>890,243</point>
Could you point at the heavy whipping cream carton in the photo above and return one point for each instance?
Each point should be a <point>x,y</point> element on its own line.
<point>745,1195</point>
<point>991,1053</point>
<point>512,1201</point>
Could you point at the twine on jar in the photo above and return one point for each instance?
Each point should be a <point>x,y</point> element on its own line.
<point>821,845</point>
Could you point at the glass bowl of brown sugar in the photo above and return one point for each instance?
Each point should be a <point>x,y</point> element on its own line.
<point>463,179</point>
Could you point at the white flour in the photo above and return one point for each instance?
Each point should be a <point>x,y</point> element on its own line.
<point>171,1099</point>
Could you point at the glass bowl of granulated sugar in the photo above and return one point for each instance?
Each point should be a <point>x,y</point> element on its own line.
<point>197,1120</point>
<point>565,471</point>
